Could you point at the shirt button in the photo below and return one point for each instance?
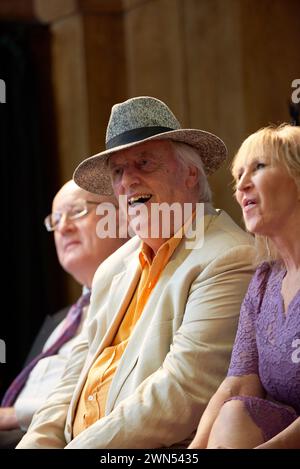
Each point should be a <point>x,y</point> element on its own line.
<point>69,428</point>
<point>90,398</point>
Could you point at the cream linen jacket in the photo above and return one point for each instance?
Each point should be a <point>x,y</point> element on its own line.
<point>177,355</point>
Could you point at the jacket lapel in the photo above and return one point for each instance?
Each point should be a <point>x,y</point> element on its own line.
<point>126,283</point>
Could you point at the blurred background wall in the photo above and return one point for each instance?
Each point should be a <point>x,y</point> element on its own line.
<point>225,66</point>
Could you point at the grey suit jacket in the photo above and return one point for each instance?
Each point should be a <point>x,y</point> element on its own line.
<point>178,352</point>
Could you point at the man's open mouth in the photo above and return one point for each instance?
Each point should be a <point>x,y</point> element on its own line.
<point>138,199</point>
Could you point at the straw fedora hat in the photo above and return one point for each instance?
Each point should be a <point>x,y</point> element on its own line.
<point>138,120</point>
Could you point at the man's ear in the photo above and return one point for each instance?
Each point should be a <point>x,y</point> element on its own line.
<point>192,177</point>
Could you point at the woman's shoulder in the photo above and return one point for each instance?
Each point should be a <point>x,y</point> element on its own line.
<point>265,269</point>
<point>261,278</point>
<point>262,272</point>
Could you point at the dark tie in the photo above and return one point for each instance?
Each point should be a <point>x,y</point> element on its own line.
<point>72,322</point>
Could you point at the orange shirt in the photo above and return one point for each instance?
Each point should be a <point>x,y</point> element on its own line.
<point>91,404</point>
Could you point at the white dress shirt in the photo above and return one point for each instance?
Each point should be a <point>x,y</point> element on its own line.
<point>44,376</point>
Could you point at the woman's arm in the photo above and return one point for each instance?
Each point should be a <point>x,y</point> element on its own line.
<point>248,385</point>
<point>289,438</point>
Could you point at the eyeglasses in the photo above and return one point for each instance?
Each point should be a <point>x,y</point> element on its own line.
<point>78,210</point>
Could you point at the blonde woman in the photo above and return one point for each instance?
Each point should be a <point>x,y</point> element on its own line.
<point>258,404</point>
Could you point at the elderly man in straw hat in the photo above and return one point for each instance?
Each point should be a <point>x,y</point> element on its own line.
<point>164,309</point>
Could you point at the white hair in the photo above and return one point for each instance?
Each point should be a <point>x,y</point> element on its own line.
<point>188,155</point>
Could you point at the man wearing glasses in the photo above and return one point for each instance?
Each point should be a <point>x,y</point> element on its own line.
<point>80,251</point>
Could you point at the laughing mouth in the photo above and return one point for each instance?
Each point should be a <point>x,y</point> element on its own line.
<point>139,199</point>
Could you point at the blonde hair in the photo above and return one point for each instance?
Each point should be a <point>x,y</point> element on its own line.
<point>281,145</point>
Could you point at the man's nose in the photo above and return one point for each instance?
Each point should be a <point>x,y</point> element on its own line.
<point>65,224</point>
<point>130,177</point>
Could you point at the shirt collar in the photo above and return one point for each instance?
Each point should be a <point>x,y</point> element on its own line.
<point>166,250</point>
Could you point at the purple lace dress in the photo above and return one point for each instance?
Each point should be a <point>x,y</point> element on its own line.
<point>268,344</point>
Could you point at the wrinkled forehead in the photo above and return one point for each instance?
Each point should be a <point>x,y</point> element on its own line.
<point>154,150</point>
<point>60,205</point>
<point>66,197</point>
<point>71,202</point>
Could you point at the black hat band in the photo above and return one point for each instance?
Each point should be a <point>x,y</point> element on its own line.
<point>135,135</point>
